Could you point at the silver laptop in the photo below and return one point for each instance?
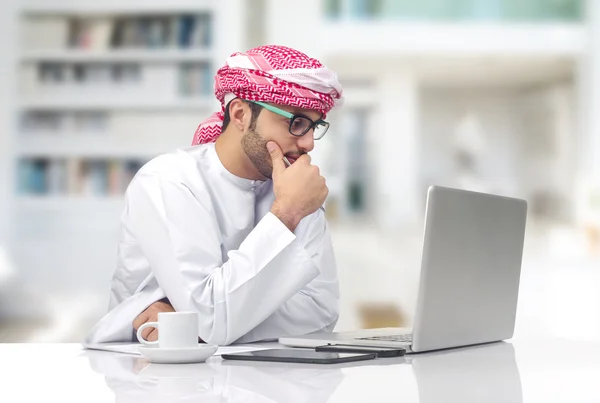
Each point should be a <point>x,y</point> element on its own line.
<point>470,272</point>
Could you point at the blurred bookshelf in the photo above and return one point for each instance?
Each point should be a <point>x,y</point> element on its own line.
<point>99,89</point>
<point>102,89</point>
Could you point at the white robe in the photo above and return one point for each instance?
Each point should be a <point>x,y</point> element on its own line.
<point>195,233</point>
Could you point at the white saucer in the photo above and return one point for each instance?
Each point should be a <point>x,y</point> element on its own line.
<point>178,355</point>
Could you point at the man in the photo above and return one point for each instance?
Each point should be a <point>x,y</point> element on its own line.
<point>232,228</point>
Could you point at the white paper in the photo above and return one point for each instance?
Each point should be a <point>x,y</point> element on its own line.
<point>126,348</point>
<point>132,348</point>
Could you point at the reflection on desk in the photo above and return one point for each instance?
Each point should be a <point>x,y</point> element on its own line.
<point>134,379</point>
<point>476,374</point>
<point>520,371</point>
<point>483,373</point>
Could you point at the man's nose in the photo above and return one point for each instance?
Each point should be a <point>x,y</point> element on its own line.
<point>307,142</point>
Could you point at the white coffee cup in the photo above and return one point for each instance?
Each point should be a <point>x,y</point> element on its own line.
<point>175,330</point>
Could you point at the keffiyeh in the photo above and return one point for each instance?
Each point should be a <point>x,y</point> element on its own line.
<point>274,74</point>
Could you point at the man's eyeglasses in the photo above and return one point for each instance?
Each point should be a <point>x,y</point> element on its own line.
<point>299,125</point>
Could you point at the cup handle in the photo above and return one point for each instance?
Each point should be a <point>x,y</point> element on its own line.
<point>139,333</point>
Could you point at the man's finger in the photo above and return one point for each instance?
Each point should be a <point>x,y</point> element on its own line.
<point>305,159</point>
<point>276,157</point>
<point>146,332</point>
<point>140,320</point>
<point>153,336</point>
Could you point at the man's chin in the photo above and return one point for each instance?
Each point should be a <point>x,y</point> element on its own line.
<point>267,173</point>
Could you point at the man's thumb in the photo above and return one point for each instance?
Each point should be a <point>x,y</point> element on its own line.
<point>276,155</point>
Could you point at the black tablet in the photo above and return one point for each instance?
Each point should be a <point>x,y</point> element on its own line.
<point>298,355</point>
<point>383,352</point>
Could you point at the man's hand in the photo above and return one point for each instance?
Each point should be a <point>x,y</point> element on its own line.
<point>151,315</point>
<point>299,189</point>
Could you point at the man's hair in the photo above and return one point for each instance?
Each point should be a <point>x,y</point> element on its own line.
<point>254,109</point>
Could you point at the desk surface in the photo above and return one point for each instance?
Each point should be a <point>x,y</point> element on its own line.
<point>514,371</point>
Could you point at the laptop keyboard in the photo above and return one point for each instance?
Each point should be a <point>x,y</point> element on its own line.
<point>392,337</point>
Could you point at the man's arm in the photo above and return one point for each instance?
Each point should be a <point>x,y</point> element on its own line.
<point>316,306</point>
<point>180,238</point>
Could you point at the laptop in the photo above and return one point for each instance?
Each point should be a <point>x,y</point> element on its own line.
<point>469,281</point>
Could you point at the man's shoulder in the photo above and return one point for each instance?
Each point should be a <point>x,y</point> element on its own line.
<point>179,165</point>
<point>178,169</point>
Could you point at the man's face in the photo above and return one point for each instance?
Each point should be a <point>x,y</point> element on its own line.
<point>270,126</point>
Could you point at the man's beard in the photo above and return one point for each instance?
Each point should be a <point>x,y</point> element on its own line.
<point>256,149</point>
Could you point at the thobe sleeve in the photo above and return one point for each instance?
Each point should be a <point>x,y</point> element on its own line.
<point>315,307</point>
<point>179,235</point>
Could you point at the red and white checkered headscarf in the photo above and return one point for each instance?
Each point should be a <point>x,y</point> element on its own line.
<point>275,74</point>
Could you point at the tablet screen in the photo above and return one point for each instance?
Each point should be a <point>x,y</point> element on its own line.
<point>298,353</point>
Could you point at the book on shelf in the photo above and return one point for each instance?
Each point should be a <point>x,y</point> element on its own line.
<point>86,74</point>
<point>55,122</point>
<point>75,177</point>
<point>143,32</point>
<point>133,130</point>
<point>97,80</point>
<point>183,31</point>
<point>57,177</point>
<point>90,33</point>
<point>195,79</point>
<point>32,177</point>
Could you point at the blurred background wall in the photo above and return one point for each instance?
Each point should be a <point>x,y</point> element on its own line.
<point>492,95</point>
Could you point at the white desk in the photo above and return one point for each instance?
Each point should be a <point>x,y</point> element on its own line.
<point>517,371</point>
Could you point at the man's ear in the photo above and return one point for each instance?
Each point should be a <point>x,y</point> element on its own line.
<point>239,114</point>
